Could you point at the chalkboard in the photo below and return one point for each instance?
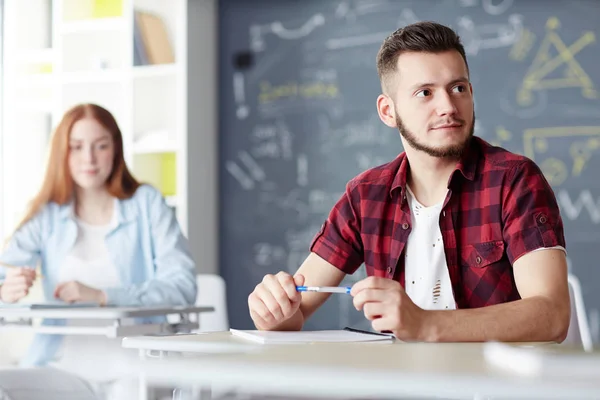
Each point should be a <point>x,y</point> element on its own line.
<point>298,85</point>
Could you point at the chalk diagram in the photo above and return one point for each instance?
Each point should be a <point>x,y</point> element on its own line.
<point>407,16</point>
<point>258,32</point>
<point>574,76</point>
<point>583,143</point>
<point>554,66</point>
<point>492,7</point>
<point>246,171</point>
<point>489,36</point>
<point>258,44</point>
<point>239,94</point>
<point>351,10</point>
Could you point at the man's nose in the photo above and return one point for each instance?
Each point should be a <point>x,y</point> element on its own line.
<point>445,104</point>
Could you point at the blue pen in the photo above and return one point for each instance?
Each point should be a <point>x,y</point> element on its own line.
<point>324,289</point>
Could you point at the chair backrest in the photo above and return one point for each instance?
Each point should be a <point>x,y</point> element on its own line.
<point>212,292</point>
<point>43,384</point>
<point>579,329</point>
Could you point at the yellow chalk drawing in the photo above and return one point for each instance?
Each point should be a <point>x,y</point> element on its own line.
<point>586,143</point>
<point>502,135</point>
<point>543,64</point>
<point>555,171</point>
<point>581,152</point>
<point>306,90</point>
<point>541,145</point>
<point>521,48</point>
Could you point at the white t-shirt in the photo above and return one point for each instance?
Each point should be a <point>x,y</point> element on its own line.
<point>88,261</point>
<point>98,359</point>
<point>427,280</point>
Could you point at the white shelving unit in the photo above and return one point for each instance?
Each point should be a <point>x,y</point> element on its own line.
<point>57,54</point>
<point>49,62</point>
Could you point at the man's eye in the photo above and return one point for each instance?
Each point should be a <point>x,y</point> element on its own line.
<point>423,93</point>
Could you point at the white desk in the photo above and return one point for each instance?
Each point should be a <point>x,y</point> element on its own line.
<point>350,370</point>
<point>22,318</point>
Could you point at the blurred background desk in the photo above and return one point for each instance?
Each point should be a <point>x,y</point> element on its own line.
<point>178,319</point>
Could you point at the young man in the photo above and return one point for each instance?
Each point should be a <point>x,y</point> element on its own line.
<point>462,241</point>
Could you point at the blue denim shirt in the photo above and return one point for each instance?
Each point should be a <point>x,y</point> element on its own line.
<point>147,247</point>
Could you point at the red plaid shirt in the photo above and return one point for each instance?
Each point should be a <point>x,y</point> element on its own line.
<point>499,206</point>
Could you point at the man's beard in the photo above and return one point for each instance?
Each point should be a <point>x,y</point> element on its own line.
<point>452,151</point>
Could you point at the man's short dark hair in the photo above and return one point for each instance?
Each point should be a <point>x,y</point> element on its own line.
<point>425,36</point>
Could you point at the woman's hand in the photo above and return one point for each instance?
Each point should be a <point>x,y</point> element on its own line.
<point>16,284</point>
<point>74,291</point>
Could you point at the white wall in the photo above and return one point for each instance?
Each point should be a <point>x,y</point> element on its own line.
<point>203,133</point>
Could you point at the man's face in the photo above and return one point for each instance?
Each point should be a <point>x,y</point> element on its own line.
<point>433,103</point>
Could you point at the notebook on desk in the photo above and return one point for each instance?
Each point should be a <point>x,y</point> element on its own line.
<point>325,336</point>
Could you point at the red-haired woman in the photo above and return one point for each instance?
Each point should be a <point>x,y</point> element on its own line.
<point>98,235</point>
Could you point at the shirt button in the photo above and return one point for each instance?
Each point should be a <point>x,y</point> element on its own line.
<point>389,270</point>
<point>478,260</point>
<point>405,226</point>
<point>543,219</point>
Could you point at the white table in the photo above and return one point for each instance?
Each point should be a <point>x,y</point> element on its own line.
<point>118,317</point>
<point>347,370</point>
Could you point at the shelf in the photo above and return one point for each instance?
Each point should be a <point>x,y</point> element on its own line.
<point>38,106</point>
<point>35,81</point>
<point>35,56</point>
<point>154,142</point>
<point>157,70</point>
<point>98,76</point>
<point>168,147</point>
<point>93,25</point>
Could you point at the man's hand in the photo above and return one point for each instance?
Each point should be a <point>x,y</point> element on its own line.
<point>275,300</point>
<point>386,304</point>
<point>17,284</point>
<point>74,291</point>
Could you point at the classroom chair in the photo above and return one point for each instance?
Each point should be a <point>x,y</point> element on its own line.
<point>43,384</point>
<point>212,292</point>
<point>579,330</point>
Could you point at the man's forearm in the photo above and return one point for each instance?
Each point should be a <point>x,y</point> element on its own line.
<point>531,319</point>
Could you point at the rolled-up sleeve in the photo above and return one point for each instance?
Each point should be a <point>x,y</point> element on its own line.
<point>338,241</point>
<point>530,212</point>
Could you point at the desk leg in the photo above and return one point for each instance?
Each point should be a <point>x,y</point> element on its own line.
<point>193,393</point>
<point>205,393</point>
<point>142,381</point>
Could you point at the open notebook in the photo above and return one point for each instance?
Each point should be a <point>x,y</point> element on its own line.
<point>331,336</point>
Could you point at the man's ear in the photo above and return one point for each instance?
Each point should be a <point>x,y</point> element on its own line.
<point>386,110</point>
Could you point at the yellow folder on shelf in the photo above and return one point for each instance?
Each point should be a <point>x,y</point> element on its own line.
<point>157,169</point>
<point>107,8</point>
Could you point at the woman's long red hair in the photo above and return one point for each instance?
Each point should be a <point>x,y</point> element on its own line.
<point>58,186</point>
